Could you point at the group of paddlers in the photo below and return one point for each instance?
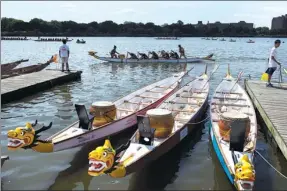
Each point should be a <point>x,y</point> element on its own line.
<point>161,54</point>
<point>52,39</point>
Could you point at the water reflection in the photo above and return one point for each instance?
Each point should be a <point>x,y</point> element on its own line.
<point>164,171</point>
<point>77,172</point>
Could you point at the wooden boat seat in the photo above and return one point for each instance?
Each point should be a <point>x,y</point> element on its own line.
<point>230,104</point>
<point>152,91</point>
<point>71,132</point>
<point>137,103</point>
<point>122,109</point>
<point>196,97</point>
<point>195,91</point>
<point>85,120</point>
<point>146,133</point>
<point>147,97</point>
<point>235,93</point>
<point>229,98</point>
<point>162,86</point>
<point>173,102</point>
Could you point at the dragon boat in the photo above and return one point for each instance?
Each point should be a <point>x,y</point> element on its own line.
<point>233,132</point>
<point>123,59</point>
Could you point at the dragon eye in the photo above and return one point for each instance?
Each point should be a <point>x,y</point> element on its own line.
<point>104,154</point>
<point>22,133</point>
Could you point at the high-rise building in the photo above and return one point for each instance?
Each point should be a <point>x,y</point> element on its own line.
<point>279,22</point>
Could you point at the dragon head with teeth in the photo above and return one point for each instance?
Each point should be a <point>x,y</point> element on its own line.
<point>27,137</point>
<point>103,160</point>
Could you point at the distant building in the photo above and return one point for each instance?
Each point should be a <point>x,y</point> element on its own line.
<point>221,26</point>
<point>279,22</point>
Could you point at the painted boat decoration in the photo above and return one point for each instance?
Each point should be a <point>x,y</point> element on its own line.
<point>28,69</point>
<point>158,132</point>
<point>160,60</point>
<point>233,132</point>
<point>107,119</point>
<point>9,66</point>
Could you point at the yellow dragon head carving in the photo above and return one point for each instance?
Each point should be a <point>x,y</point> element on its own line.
<point>103,160</point>
<point>244,170</point>
<point>27,137</point>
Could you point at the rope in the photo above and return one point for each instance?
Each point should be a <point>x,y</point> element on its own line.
<point>199,121</point>
<point>271,165</point>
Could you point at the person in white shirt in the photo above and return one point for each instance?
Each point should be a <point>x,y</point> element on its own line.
<point>272,65</point>
<point>64,53</point>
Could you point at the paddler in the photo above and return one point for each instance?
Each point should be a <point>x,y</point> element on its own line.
<point>272,62</point>
<point>181,51</point>
<point>164,54</point>
<point>132,55</point>
<point>143,55</point>
<point>174,55</point>
<point>113,52</point>
<point>153,55</point>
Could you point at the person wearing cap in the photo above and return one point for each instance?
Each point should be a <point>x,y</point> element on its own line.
<point>64,53</point>
<point>113,52</point>
<point>272,62</point>
<point>181,51</point>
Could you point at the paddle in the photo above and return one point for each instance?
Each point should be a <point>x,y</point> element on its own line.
<point>238,78</point>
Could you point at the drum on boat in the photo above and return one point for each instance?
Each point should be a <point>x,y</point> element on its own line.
<point>104,112</point>
<point>122,56</point>
<point>162,120</point>
<point>227,119</point>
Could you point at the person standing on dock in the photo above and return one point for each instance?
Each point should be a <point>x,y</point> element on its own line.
<point>272,62</point>
<point>181,51</point>
<point>64,53</point>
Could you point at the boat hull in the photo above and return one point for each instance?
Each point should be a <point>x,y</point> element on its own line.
<point>5,68</point>
<point>175,61</point>
<point>169,144</point>
<point>24,70</point>
<point>220,146</point>
<point>101,133</point>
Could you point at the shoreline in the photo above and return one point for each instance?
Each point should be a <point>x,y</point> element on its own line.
<point>151,36</point>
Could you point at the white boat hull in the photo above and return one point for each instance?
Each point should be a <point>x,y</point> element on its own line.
<point>238,99</point>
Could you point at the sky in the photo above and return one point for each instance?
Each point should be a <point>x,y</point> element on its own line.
<point>159,12</point>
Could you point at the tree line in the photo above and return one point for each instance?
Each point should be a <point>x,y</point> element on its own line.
<point>39,27</point>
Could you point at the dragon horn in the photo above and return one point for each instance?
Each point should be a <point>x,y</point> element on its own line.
<point>33,124</point>
<point>44,128</point>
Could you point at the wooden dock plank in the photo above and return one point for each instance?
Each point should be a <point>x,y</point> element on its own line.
<point>272,106</point>
<point>17,87</point>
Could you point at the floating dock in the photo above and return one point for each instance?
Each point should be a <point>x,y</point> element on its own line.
<point>271,103</point>
<point>17,87</point>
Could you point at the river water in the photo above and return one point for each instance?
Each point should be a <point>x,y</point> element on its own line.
<point>192,165</point>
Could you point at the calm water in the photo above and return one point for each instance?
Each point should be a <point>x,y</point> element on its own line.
<point>191,165</point>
